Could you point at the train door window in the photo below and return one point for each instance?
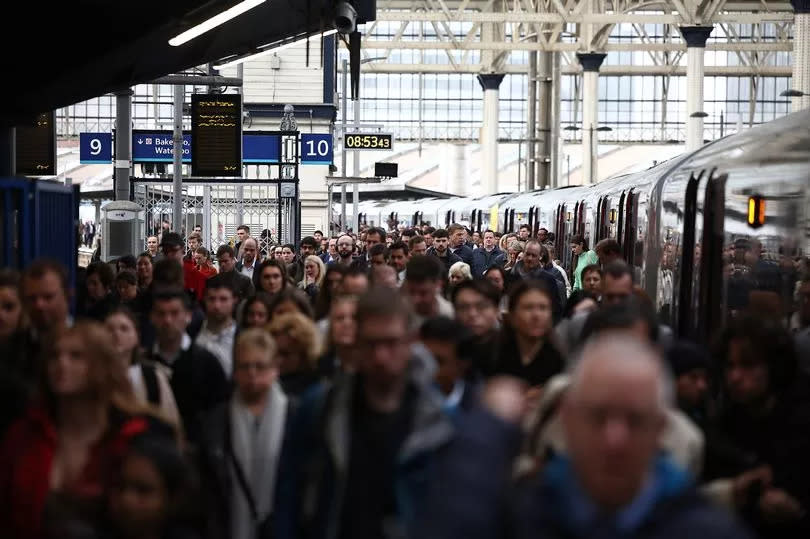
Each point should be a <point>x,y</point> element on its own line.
<point>598,221</point>
<point>604,223</point>
<point>629,240</point>
<point>512,220</point>
<point>710,298</point>
<point>620,228</point>
<point>531,219</point>
<point>581,221</point>
<point>684,323</point>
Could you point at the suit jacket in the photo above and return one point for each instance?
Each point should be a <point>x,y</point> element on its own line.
<point>465,253</point>
<point>241,284</point>
<point>448,260</point>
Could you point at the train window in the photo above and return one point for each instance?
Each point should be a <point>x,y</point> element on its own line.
<point>710,299</point>
<point>603,230</point>
<point>684,325</point>
<point>620,229</point>
<point>581,219</point>
<point>630,227</point>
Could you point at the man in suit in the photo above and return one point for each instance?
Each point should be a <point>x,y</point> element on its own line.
<point>457,246</point>
<point>243,233</point>
<point>240,284</point>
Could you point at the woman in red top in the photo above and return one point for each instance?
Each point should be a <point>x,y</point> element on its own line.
<point>56,462</point>
<point>203,260</point>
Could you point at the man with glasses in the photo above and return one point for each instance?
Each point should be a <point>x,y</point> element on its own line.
<point>345,250</point>
<point>385,414</point>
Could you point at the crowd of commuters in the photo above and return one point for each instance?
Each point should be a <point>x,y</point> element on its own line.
<point>414,383</point>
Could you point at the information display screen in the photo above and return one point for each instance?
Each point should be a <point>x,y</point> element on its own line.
<point>369,141</point>
<point>216,135</point>
<point>36,146</point>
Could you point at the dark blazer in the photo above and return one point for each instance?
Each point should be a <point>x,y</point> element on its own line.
<point>241,284</point>
<point>448,260</point>
<point>465,253</point>
<point>483,260</point>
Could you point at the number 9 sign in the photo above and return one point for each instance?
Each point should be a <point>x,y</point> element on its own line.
<point>95,148</point>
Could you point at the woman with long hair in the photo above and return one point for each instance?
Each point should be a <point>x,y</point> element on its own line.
<point>149,382</point>
<point>331,282</point>
<point>272,277</point>
<point>58,461</point>
<point>256,311</point>
<point>341,336</point>
<point>314,274</point>
<point>584,257</point>
<point>525,349</point>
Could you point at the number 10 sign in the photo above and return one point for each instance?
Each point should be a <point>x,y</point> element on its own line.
<point>316,149</point>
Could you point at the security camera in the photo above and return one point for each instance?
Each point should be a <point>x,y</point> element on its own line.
<point>345,17</point>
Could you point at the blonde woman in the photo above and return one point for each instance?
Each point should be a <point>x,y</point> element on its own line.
<point>299,347</point>
<point>460,271</point>
<point>314,273</point>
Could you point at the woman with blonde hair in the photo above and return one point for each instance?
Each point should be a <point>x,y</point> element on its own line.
<point>57,462</point>
<point>299,347</point>
<point>460,271</point>
<point>314,273</point>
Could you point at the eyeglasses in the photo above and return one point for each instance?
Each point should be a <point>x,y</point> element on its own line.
<point>258,367</point>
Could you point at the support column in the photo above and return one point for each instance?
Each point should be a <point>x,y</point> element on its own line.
<point>695,37</point>
<point>801,54</point>
<point>531,122</point>
<point>177,211</point>
<point>123,143</point>
<point>489,132</point>
<point>591,62</point>
<point>556,141</point>
<point>544,117</point>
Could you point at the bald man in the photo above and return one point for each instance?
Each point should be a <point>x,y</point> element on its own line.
<point>612,481</point>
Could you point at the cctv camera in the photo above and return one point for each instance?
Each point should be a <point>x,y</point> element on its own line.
<point>345,17</point>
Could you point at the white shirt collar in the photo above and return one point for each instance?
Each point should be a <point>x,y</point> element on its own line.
<point>227,331</point>
<point>454,398</point>
<point>185,344</point>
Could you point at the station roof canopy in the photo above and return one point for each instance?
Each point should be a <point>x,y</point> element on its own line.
<point>59,53</point>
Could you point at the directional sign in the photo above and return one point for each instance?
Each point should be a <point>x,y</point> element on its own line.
<point>95,148</point>
<point>157,147</point>
<point>216,126</point>
<point>316,149</point>
<point>36,146</point>
<point>260,148</point>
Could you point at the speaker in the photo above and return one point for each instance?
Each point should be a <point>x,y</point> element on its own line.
<point>386,170</point>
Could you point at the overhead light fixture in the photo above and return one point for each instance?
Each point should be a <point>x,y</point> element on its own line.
<point>604,128</point>
<point>267,50</point>
<point>699,114</point>
<point>213,22</point>
<point>792,93</point>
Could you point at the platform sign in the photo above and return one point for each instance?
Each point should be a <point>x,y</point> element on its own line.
<point>157,147</point>
<point>260,148</point>
<point>316,149</point>
<point>95,148</point>
<point>35,153</point>
<point>216,135</point>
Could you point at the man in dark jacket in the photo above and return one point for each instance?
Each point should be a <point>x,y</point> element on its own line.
<point>614,483</point>
<point>360,455</point>
<point>243,286</point>
<point>455,234</point>
<point>197,379</point>
<point>241,441</point>
<point>441,250</point>
<point>531,268</point>
<point>486,256</point>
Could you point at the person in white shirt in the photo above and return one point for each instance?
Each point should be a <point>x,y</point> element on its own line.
<point>219,328</point>
<point>248,263</point>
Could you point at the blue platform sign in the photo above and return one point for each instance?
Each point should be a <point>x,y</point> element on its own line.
<point>95,148</point>
<point>316,149</point>
<point>260,148</point>
<point>157,147</point>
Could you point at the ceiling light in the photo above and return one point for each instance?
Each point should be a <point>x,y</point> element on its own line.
<point>213,22</point>
<point>266,51</point>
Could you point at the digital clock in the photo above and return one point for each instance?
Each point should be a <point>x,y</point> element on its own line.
<point>369,141</point>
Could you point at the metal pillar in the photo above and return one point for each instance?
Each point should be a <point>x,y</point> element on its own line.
<point>356,173</point>
<point>344,103</point>
<point>695,37</point>
<point>544,114</point>
<point>240,190</point>
<point>590,113</point>
<point>531,122</point>
<point>556,141</point>
<point>177,213</point>
<point>123,143</point>
<point>206,225</point>
<point>489,132</point>
<point>801,54</point>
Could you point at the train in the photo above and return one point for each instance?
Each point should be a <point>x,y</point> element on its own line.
<point>709,232</point>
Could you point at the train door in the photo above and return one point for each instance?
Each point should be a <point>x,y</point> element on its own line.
<point>710,293</point>
<point>684,323</point>
<point>630,227</point>
<point>620,227</point>
<point>581,220</point>
<point>602,223</point>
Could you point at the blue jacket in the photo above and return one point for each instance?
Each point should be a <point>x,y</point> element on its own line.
<point>468,503</point>
<point>465,253</point>
<point>314,463</point>
<point>483,260</point>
